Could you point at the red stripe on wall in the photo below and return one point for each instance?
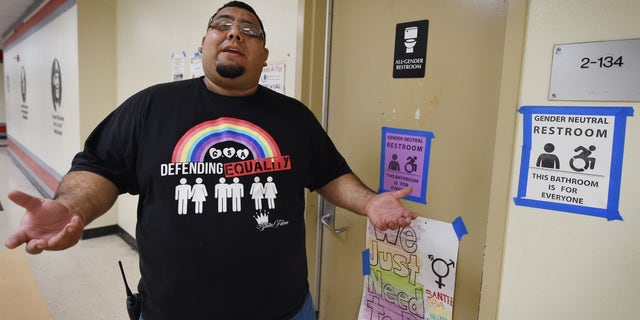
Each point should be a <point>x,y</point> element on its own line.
<point>24,27</point>
<point>3,129</point>
<point>41,173</point>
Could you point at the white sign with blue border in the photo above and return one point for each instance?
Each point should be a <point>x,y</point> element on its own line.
<point>572,159</point>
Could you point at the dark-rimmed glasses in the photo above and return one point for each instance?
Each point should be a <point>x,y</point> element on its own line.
<point>225,24</point>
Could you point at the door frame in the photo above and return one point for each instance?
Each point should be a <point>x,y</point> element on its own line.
<point>315,39</point>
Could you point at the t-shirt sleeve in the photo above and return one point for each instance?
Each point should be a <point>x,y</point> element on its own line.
<point>111,149</point>
<point>326,161</point>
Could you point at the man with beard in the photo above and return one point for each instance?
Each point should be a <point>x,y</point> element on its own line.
<point>246,263</point>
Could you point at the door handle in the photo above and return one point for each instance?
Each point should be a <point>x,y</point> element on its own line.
<point>328,221</point>
<point>328,217</point>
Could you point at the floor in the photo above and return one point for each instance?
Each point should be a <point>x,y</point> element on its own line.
<point>83,282</point>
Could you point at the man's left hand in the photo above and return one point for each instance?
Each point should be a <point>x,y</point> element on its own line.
<point>386,212</point>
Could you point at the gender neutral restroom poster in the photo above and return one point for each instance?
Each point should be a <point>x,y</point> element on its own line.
<point>410,272</point>
<point>572,159</point>
<point>405,161</point>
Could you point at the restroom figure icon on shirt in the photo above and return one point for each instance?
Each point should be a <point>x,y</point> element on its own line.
<point>198,195</point>
<point>270,192</point>
<point>257,193</point>
<point>182,195</point>
<point>222,192</point>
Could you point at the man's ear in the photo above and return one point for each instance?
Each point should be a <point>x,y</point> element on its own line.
<point>266,56</point>
<point>201,44</point>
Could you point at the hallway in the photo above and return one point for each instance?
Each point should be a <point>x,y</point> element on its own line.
<point>83,282</point>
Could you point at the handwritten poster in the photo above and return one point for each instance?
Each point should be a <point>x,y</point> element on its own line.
<point>405,161</point>
<point>572,159</point>
<point>410,272</point>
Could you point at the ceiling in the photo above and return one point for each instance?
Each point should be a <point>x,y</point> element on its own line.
<point>12,11</point>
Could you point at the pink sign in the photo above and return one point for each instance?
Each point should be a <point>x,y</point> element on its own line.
<point>405,161</point>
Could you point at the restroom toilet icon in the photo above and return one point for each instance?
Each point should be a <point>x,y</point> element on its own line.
<point>410,35</point>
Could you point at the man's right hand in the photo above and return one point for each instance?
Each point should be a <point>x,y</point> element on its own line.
<point>46,225</point>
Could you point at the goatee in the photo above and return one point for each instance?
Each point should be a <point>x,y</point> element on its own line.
<point>229,71</point>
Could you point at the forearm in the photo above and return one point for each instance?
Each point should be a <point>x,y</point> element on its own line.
<point>347,191</point>
<point>88,194</point>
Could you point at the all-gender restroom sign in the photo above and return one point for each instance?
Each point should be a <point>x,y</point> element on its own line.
<point>405,161</point>
<point>572,159</point>
<point>410,52</point>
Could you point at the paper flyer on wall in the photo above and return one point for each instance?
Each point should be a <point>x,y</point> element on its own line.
<point>177,65</point>
<point>272,77</point>
<point>196,65</point>
<point>410,272</point>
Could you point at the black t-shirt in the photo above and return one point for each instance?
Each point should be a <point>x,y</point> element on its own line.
<point>221,231</point>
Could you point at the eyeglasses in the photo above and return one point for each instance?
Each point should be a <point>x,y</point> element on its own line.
<point>247,28</point>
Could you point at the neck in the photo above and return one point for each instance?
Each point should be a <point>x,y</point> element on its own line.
<point>229,91</point>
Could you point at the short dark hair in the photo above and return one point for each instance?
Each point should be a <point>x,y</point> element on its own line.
<point>241,5</point>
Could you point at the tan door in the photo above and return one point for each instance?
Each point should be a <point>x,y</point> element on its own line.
<point>457,100</point>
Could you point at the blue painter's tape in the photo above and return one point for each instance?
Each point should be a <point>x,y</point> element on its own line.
<point>366,267</point>
<point>609,214</point>
<point>459,227</point>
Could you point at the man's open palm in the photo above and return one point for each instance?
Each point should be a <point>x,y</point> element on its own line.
<point>46,225</point>
<point>386,212</point>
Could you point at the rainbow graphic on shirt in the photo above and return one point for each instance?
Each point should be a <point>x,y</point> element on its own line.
<point>195,143</point>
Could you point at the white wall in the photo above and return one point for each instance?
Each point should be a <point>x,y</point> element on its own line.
<point>31,122</point>
<point>560,265</point>
<point>44,136</point>
<point>149,31</point>
<point>97,74</point>
<point>3,118</point>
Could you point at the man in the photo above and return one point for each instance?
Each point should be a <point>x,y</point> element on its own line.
<point>219,263</point>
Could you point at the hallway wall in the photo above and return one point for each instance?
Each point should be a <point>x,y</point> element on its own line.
<point>40,130</point>
<point>60,84</point>
<point>560,265</point>
<point>3,118</point>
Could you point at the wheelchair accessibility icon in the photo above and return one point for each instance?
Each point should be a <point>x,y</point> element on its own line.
<point>411,166</point>
<point>582,161</point>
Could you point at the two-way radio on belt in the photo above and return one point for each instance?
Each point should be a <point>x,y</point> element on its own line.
<point>133,300</point>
